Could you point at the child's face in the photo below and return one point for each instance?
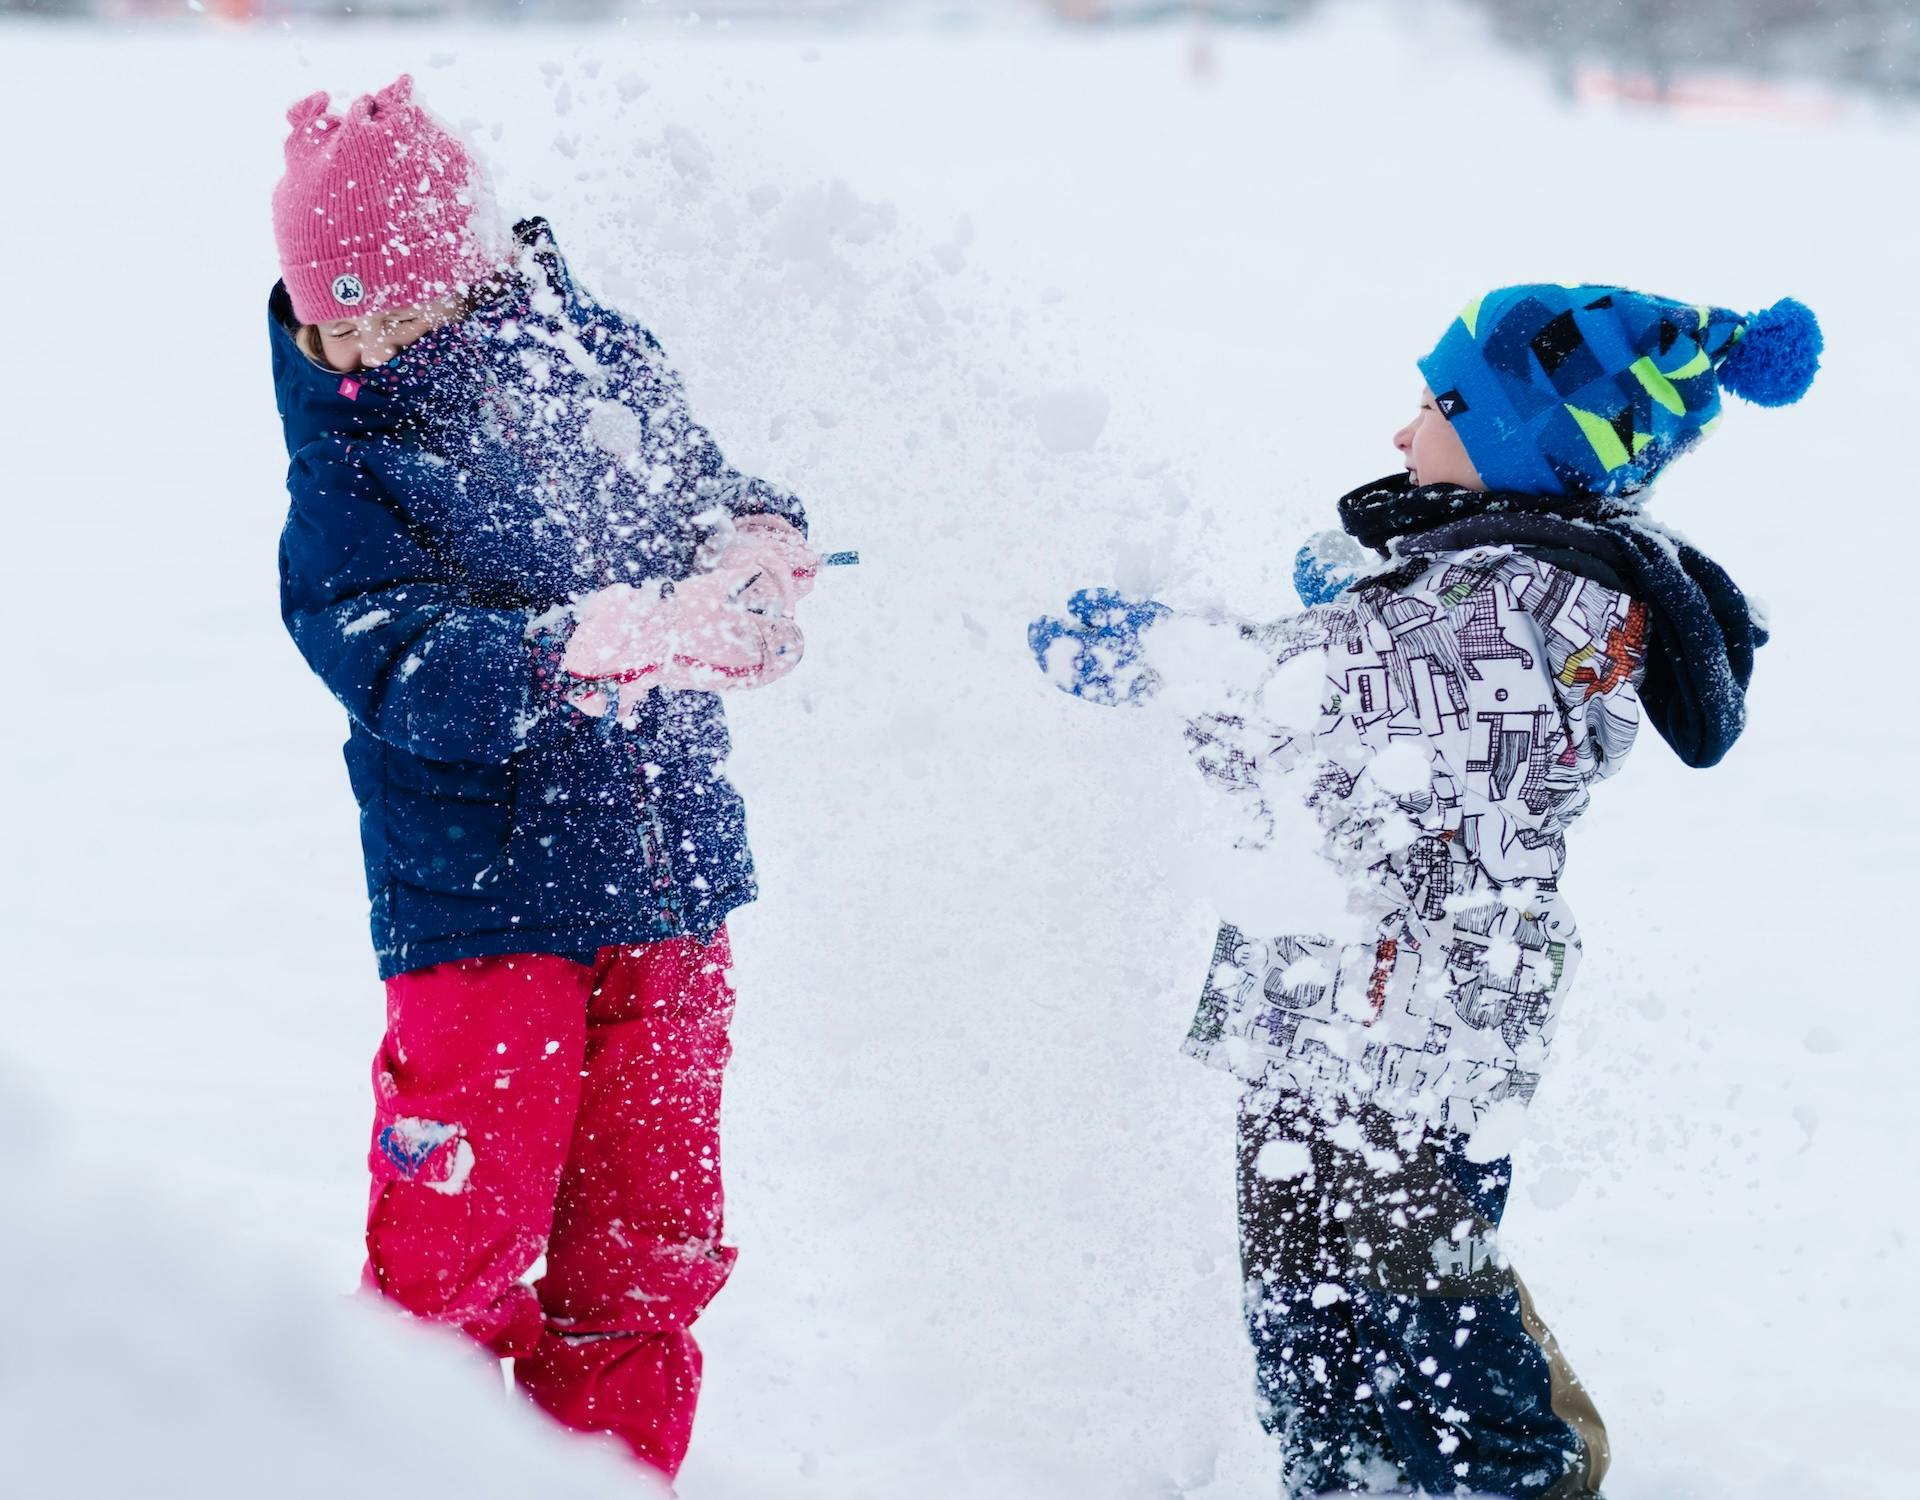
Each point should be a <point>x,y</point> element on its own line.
<point>1433,451</point>
<point>362,343</point>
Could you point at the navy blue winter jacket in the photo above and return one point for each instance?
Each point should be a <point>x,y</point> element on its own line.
<point>445,507</point>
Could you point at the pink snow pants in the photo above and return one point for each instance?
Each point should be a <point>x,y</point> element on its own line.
<point>531,1105</point>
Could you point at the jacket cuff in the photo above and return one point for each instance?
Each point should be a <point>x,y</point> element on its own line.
<point>554,688</point>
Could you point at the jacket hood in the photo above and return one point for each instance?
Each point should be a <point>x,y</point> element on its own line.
<point>316,402</point>
<point>1703,633</point>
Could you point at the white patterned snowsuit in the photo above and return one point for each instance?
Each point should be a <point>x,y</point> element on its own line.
<point>1469,700</point>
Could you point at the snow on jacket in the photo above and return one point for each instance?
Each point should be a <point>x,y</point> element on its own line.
<point>445,508</point>
<point>1468,702</point>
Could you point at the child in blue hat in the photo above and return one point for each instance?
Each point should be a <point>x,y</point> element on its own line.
<point>1480,643</point>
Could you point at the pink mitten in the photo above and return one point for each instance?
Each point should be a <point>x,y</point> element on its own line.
<point>730,627</point>
<point>699,636</point>
<point>774,559</point>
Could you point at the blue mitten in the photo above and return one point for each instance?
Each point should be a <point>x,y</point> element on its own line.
<point>1326,566</point>
<point>1104,663</point>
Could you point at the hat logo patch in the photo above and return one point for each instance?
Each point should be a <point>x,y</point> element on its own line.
<point>348,290</point>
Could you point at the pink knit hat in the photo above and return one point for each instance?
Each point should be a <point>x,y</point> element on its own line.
<point>382,207</point>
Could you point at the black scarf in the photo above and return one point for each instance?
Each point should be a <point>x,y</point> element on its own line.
<point>1701,647</point>
<point>1376,513</point>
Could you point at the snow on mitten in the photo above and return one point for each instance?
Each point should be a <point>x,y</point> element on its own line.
<point>708,635</point>
<point>1096,655</point>
<point>778,565</point>
<point>606,629</point>
<point>699,636</point>
<point>1327,566</point>
<point>730,626</point>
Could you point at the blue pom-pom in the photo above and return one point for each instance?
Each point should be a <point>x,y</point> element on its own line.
<point>1775,360</point>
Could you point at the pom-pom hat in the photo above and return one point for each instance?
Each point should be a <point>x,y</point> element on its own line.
<point>381,207</point>
<point>1559,390</point>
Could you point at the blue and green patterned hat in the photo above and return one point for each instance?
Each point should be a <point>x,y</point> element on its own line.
<point>1560,390</point>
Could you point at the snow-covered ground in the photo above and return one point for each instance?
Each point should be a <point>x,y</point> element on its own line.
<point>1016,310</point>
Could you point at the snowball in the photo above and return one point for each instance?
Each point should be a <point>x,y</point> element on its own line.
<point>615,429</point>
<point>1346,1134</point>
<point>1500,1131</point>
<point>1503,957</point>
<point>1401,770</point>
<point>459,1169</point>
<point>1555,1187</point>
<point>1292,697</point>
<point>1198,658</point>
<point>1071,418</point>
<point>1282,1159</point>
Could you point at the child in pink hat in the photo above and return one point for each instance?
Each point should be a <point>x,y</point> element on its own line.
<point>526,573</point>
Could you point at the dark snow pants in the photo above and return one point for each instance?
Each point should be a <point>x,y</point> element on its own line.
<point>1394,1346</point>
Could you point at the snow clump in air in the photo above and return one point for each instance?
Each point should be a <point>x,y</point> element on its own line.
<point>1282,1159</point>
<point>1071,418</point>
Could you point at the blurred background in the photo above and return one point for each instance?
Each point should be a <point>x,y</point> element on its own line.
<point>1019,297</point>
<point>1721,51</point>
